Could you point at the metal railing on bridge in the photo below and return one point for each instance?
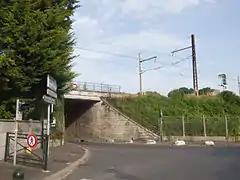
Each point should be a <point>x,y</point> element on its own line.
<point>96,87</point>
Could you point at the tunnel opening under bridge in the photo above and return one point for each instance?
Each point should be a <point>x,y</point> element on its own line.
<point>79,115</point>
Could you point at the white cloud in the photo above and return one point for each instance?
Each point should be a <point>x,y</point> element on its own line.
<point>87,29</point>
<point>151,40</point>
<point>143,8</point>
<point>92,32</point>
<point>130,44</point>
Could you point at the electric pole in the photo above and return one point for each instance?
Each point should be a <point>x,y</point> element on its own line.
<point>140,61</point>
<point>140,73</point>
<point>238,80</point>
<point>194,63</point>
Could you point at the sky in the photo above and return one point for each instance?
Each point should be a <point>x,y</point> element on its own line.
<point>111,33</point>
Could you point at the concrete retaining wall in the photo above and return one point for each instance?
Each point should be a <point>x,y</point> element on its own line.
<point>102,122</point>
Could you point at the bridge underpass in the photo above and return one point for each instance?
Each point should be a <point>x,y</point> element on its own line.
<point>77,114</point>
<point>88,118</point>
<point>81,112</point>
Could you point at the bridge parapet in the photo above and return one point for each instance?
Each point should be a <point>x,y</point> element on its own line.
<point>95,87</point>
<point>90,95</point>
<point>94,91</point>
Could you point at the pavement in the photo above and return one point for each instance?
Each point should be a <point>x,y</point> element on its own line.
<point>60,160</point>
<point>143,162</point>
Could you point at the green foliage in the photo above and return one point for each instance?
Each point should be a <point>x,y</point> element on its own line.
<point>178,93</point>
<point>59,115</point>
<point>145,110</point>
<point>4,114</point>
<point>35,41</point>
<point>205,91</point>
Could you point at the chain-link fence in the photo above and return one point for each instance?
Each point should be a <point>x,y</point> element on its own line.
<point>226,126</point>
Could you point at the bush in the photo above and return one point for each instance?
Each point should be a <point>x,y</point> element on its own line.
<point>4,114</point>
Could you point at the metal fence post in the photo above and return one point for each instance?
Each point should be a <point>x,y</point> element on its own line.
<point>15,143</point>
<point>45,152</point>
<point>183,126</point>
<point>161,125</point>
<point>7,144</point>
<point>204,126</point>
<point>226,126</point>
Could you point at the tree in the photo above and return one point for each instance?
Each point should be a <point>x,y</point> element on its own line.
<point>180,92</point>
<point>36,41</point>
<point>186,90</point>
<point>205,91</point>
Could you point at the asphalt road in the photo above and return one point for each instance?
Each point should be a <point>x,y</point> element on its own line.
<point>147,162</point>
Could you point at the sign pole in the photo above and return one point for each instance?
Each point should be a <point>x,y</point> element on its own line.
<point>16,134</point>
<point>50,98</point>
<point>48,128</point>
<point>51,108</point>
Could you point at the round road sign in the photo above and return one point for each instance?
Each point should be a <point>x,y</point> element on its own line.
<point>32,140</point>
<point>74,86</point>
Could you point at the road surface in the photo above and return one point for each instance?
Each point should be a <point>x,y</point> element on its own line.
<point>147,162</point>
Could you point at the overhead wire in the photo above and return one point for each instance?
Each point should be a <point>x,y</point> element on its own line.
<point>119,63</point>
<point>126,56</point>
<point>131,57</point>
<point>108,53</point>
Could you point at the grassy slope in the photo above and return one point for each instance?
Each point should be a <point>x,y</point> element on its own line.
<point>145,110</point>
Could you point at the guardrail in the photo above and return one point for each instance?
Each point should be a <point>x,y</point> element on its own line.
<point>96,87</point>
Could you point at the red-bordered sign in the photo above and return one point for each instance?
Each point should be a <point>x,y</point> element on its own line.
<point>32,141</point>
<point>74,86</point>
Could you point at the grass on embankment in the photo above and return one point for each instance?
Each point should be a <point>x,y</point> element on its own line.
<point>145,110</point>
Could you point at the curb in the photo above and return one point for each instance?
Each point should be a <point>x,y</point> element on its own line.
<point>63,173</point>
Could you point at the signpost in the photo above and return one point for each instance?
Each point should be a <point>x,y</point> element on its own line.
<point>51,93</point>
<point>32,141</point>
<point>51,83</point>
<point>16,132</point>
<point>20,108</point>
<point>50,98</point>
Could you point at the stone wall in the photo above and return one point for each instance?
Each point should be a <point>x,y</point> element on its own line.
<point>103,122</point>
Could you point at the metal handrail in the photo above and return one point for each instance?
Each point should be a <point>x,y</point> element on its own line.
<point>96,87</point>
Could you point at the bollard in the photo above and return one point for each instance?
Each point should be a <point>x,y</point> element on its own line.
<point>18,174</point>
